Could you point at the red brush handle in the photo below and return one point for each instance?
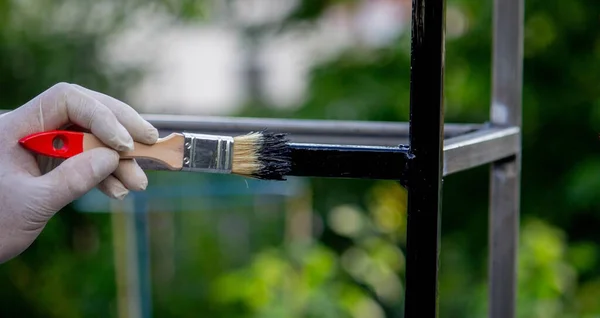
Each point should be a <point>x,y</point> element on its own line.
<point>56,143</point>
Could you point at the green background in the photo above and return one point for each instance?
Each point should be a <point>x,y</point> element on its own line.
<point>353,266</point>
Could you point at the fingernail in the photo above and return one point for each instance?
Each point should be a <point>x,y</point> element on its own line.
<point>126,145</point>
<point>121,194</point>
<point>126,142</point>
<point>129,144</point>
<point>139,173</point>
<point>152,133</point>
<point>144,185</point>
<point>119,191</point>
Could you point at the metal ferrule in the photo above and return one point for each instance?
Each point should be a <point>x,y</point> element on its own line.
<point>207,153</point>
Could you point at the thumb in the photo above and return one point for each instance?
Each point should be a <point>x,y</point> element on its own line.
<point>77,175</point>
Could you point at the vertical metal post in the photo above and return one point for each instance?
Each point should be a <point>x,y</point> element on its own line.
<point>505,175</point>
<point>426,144</point>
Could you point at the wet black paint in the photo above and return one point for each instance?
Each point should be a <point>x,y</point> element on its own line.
<point>339,161</point>
<point>425,171</point>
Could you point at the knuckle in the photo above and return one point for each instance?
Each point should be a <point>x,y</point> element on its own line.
<point>61,87</point>
<point>56,95</point>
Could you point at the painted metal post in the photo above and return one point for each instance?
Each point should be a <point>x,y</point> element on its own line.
<point>426,145</point>
<point>505,175</point>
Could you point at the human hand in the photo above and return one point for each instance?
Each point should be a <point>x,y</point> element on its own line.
<point>34,188</point>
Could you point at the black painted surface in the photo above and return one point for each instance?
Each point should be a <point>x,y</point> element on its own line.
<point>339,161</point>
<point>426,144</point>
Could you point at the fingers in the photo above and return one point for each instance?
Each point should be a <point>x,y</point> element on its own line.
<point>113,188</point>
<point>127,176</point>
<point>112,121</point>
<point>115,123</point>
<point>78,175</point>
<point>131,175</point>
<point>63,104</point>
<point>140,129</point>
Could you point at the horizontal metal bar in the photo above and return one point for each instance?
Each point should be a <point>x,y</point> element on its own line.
<point>380,162</point>
<point>340,132</point>
<point>356,162</point>
<point>466,145</point>
<point>481,147</point>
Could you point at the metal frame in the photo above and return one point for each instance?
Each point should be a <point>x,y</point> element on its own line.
<point>465,145</point>
<point>434,150</point>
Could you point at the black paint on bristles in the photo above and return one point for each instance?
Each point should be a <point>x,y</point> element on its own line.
<point>274,156</point>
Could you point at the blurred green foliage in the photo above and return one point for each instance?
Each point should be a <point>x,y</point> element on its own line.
<point>354,264</point>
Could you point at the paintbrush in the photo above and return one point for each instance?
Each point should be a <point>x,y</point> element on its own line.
<point>260,155</point>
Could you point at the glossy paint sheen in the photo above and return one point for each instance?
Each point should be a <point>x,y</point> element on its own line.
<point>352,162</point>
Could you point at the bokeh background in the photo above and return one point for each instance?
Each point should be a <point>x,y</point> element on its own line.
<point>315,248</point>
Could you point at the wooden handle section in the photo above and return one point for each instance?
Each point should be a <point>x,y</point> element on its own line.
<point>167,150</point>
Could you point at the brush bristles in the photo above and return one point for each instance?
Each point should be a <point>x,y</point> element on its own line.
<point>262,155</point>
